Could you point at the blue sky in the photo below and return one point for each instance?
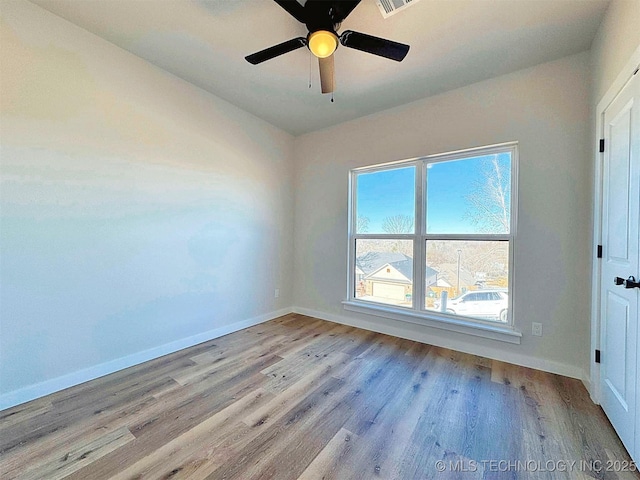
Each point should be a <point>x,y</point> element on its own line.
<point>392,192</point>
<point>383,194</point>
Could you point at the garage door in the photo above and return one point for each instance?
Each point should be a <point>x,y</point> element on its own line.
<point>386,290</point>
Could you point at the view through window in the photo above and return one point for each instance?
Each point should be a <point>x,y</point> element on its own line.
<point>440,225</point>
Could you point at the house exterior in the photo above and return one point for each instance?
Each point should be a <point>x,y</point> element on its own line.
<point>447,280</point>
<point>387,276</point>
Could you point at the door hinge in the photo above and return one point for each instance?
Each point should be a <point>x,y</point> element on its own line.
<point>597,356</point>
<point>599,251</point>
<point>601,145</point>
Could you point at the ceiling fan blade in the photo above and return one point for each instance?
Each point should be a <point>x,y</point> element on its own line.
<point>276,50</point>
<point>375,45</point>
<point>342,8</point>
<point>326,74</point>
<point>294,9</point>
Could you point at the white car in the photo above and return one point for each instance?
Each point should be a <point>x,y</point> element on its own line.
<point>491,304</point>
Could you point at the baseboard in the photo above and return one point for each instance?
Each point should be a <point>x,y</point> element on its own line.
<point>465,347</point>
<point>586,381</point>
<point>53,385</point>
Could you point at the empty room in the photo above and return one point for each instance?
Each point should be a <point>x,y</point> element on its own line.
<point>319,239</point>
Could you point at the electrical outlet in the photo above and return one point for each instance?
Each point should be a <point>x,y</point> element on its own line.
<point>276,294</point>
<point>536,329</point>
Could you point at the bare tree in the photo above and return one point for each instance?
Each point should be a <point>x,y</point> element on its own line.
<point>362,224</point>
<point>490,198</point>
<point>398,224</point>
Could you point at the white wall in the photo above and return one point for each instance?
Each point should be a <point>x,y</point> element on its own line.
<point>138,213</point>
<point>545,109</point>
<point>617,38</point>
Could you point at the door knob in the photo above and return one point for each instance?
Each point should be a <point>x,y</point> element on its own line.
<point>628,283</point>
<point>631,283</point>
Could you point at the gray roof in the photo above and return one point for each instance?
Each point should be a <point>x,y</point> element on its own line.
<point>372,261</point>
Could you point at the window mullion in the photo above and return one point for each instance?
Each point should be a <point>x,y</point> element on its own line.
<point>386,236</point>
<point>471,237</point>
<point>351,252</point>
<point>418,247</point>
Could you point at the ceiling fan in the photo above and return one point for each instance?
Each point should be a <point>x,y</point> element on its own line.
<point>323,18</point>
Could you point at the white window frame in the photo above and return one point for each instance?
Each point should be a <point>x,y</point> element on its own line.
<point>417,312</point>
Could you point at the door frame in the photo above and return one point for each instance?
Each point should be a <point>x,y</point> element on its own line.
<point>593,383</point>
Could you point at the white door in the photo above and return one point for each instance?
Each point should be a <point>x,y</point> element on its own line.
<point>621,253</point>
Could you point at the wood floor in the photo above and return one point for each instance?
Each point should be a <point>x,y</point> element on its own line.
<point>300,398</point>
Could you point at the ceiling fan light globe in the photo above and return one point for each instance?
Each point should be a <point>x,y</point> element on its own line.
<point>323,43</point>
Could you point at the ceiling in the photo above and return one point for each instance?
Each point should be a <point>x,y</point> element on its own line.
<point>453,43</point>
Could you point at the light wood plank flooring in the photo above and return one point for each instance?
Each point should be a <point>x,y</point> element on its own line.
<point>300,398</point>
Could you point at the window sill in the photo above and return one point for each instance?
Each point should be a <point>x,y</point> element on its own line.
<point>494,332</point>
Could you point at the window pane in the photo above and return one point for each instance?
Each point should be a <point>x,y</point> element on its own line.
<point>468,278</point>
<point>384,271</point>
<point>471,195</point>
<point>385,201</point>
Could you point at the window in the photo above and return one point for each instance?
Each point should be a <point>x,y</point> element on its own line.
<point>433,237</point>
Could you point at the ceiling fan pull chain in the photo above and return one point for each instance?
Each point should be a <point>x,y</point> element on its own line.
<point>331,97</point>
<point>310,66</point>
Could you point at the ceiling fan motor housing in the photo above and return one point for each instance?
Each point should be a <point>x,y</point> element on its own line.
<point>319,15</point>
<point>322,38</point>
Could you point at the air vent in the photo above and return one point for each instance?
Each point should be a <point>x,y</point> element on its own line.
<point>391,7</point>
